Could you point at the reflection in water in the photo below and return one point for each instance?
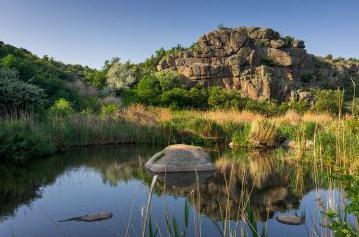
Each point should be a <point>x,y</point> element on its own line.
<point>246,179</point>
<point>255,179</point>
<point>21,185</point>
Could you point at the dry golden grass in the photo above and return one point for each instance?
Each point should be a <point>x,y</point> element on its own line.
<point>263,133</point>
<point>146,115</point>
<point>221,116</point>
<point>294,118</point>
<point>142,115</point>
<point>319,118</point>
<point>290,117</point>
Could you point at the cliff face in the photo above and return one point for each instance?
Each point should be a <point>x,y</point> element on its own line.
<point>257,62</point>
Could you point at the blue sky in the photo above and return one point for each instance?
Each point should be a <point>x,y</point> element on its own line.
<point>90,31</point>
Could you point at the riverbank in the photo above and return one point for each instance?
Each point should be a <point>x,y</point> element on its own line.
<point>27,137</point>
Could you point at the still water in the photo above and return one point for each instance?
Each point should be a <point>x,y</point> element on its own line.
<point>86,181</point>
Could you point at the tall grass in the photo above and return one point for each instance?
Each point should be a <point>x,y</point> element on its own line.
<point>138,124</point>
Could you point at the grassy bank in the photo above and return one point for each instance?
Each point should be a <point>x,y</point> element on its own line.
<point>26,136</point>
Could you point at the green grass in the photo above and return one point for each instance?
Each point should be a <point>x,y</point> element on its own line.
<point>25,137</point>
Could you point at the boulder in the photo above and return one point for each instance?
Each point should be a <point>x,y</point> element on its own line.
<point>180,158</point>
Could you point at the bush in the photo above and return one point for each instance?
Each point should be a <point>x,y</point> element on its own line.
<point>16,94</point>
<point>121,76</point>
<point>108,110</point>
<point>20,141</point>
<point>219,98</point>
<point>170,80</point>
<point>61,107</point>
<point>177,97</point>
<point>328,101</point>
<point>148,90</point>
<point>239,133</point>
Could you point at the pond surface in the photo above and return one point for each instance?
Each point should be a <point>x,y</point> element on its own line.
<point>86,181</point>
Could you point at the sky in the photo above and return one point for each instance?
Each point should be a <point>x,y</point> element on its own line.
<point>88,32</point>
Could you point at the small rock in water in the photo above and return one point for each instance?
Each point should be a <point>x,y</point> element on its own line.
<point>290,219</point>
<point>90,218</point>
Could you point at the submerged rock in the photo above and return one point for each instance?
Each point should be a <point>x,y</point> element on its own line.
<point>91,218</point>
<point>180,158</point>
<point>290,220</point>
<point>308,144</point>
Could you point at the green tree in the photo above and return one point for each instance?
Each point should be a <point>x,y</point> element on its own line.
<point>121,76</point>
<point>148,90</point>
<point>16,94</point>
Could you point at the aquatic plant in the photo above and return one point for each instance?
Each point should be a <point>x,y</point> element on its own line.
<point>263,134</point>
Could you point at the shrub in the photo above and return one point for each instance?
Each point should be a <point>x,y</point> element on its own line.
<point>177,97</point>
<point>108,110</point>
<point>328,101</point>
<point>263,134</point>
<point>299,106</point>
<point>169,80</point>
<point>19,141</point>
<point>121,76</point>
<point>288,41</point>
<point>148,90</point>
<point>329,56</point>
<point>16,94</point>
<point>61,107</point>
<point>239,133</point>
<point>219,98</point>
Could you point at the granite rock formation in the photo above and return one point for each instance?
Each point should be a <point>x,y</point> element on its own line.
<point>257,62</point>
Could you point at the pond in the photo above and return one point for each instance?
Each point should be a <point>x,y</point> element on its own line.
<point>254,185</point>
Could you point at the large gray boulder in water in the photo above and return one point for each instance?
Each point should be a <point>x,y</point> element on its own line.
<point>180,158</point>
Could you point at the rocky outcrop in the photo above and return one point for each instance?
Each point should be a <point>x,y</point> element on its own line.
<point>257,62</point>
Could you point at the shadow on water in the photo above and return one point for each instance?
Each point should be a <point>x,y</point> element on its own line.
<point>256,179</point>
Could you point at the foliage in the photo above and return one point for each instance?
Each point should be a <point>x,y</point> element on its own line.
<point>169,80</point>
<point>95,78</point>
<point>148,90</point>
<point>288,41</point>
<point>329,56</point>
<point>121,76</point>
<point>108,110</point>
<point>16,94</point>
<point>340,225</point>
<point>61,107</point>
<point>53,77</point>
<point>218,98</point>
<point>20,141</point>
<point>240,134</point>
<point>328,101</point>
<point>150,64</point>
